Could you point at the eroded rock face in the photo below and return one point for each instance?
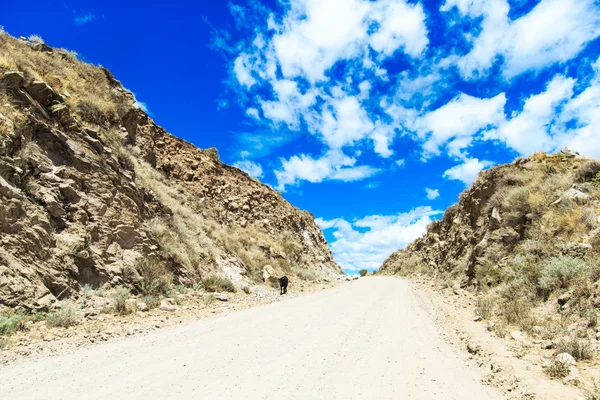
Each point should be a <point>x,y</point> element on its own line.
<point>86,194</point>
<point>511,210</point>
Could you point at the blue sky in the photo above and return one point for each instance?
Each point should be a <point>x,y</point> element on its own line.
<point>373,115</point>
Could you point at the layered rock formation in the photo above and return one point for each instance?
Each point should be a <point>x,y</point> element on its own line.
<point>541,206</point>
<point>91,189</point>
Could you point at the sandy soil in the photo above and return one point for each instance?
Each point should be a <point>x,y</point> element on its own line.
<point>512,366</point>
<point>368,339</point>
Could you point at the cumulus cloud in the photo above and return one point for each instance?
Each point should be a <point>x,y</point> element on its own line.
<point>467,171</point>
<point>458,121</point>
<point>334,165</point>
<point>554,31</point>
<point>320,68</point>
<point>367,242</point>
<point>250,167</point>
<point>432,194</point>
<point>527,131</point>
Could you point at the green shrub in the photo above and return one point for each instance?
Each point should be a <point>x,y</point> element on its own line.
<point>119,298</point>
<point>151,301</point>
<point>218,284</point>
<point>246,289</point>
<point>11,324</point>
<point>363,272</point>
<point>67,315</point>
<point>560,271</point>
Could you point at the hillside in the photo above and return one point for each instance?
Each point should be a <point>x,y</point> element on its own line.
<point>93,194</point>
<point>525,238</point>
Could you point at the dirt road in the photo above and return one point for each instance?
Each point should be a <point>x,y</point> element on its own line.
<point>367,339</point>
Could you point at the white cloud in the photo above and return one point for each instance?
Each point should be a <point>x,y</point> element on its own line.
<point>332,166</point>
<point>400,25</point>
<point>527,131</point>
<point>356,249</point>
<point>553,31</point>
<point>253,112</point>
<point>467,171</point>
<point>242,70</point>
<point>432,194</point>
<point>316,34</point>
<point>344,122</point>
<point>250,167</point>
<point>459,120</point>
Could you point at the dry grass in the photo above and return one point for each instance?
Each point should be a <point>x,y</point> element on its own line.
<point>119,299</point>
<point>81,82</point>
<point>155,277</point>
<point>218,284</point>
<point>67,315</point>
<point>578,348</point>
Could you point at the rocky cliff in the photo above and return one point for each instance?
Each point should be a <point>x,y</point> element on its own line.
<point>523,236</point>
<point>92,191</point>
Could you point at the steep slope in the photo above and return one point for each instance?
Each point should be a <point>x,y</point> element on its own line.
<point>526,238</point>
<point>93,193</point>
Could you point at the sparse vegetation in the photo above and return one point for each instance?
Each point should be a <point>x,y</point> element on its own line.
<point>560,271</point>
<point>593,394</point>
<point>11,324</point>
<point>218,284</point>
<point>363,272</point>
<point>580,349</point>
<point>36,39</point>
<point>155,278</point>
<point>67,315</point>
<point>307,275</point>
<point>151,301</point>
<point>119,299</point>
<point>557,370</point>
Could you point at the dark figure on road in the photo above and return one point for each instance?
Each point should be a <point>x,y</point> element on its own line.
<point>283,282</point>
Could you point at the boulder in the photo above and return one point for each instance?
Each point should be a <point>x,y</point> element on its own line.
<point>577,195</point>
<point>142,307</point>
<point>267,273</point>
<point>13,80</point>
<point>9,191</point>
<point>43,93</point>
<point>69,193</point>
<point>566,359</point>
<point>126,236</point>
<point>518,336</point>
<point>168,307</point>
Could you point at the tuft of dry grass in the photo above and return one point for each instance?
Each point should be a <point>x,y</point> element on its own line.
<point>578,348</point>
<point>155,277</point>
<point>67,315</point>
<point>119,299</point>
<point>218,284</point>
<point>37,39</point>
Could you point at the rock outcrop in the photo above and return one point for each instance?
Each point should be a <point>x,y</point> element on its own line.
<point>541,206</point>
<point>90,187</point>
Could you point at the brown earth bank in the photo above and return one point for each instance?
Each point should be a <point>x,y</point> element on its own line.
<point>95,197</point>
<point>522,247</point>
